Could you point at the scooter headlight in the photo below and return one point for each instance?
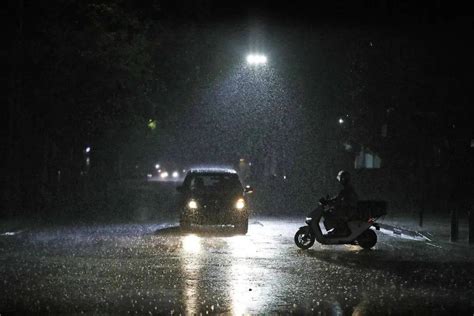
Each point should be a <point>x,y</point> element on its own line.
<point>308,220</point>
<point>240,204</point>
<point>192,205</point>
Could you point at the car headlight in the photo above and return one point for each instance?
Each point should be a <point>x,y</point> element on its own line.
<point>192,205</point>
<point>240,204</point>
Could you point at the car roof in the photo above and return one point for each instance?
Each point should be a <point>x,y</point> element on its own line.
<point>212,170</point>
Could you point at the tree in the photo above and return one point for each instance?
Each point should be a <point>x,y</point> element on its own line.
<point>81,74</point>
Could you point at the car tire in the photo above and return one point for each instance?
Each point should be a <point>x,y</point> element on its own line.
<point>242,227</point>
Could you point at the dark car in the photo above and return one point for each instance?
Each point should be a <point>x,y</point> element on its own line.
<point>214,197</point>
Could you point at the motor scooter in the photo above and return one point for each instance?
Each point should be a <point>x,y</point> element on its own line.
<point>359,226</point>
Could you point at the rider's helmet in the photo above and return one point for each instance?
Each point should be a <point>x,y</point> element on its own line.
<point>343,177</point>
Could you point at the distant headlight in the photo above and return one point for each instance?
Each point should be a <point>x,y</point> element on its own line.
<point>175,174</point>
<point>240,204</point>
<point>164,175</point>
<point>192,205</point>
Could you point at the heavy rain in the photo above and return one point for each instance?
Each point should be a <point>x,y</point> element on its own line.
<point>239,158</point>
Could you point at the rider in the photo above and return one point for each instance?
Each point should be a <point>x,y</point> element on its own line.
<point>343,205</point>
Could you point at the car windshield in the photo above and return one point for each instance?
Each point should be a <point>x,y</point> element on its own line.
<point>215,182</point>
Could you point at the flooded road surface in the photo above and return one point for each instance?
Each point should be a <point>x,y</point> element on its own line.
<point>157,269</point>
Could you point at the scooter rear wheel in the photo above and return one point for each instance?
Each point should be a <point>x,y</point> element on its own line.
<point>304,238</point>
<point>367,239</point>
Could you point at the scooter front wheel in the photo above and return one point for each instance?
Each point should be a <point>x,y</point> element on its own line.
<point>304,238</point>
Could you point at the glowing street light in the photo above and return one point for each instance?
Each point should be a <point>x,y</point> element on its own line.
<point>256,59</point>
<point>341,120</point>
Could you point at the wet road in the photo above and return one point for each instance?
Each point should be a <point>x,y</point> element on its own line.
<point>154,268</point>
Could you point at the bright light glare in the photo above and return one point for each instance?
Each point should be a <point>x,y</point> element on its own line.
<point>164,174</point>
<point>88,149</point>
<point>157,166</point>
<point>175,174</point>
<point>192,205</point>
<point>242,299</point>
<point>192,244</point>
<point>255,59</point>
<point>242,246</point>
<point>341,121</point>
<point>8,234</point>
<point>240,204</point>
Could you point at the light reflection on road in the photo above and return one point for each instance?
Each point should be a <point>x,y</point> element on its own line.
<point>192,272</point>
<point>242,246</point>
<point>240,272</point>
<point>246,294</point>
<point>192,244</point>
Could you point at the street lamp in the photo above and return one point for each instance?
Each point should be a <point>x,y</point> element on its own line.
<point>256,59</point>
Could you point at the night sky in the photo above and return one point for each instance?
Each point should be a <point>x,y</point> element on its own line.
<point>97,73</point>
